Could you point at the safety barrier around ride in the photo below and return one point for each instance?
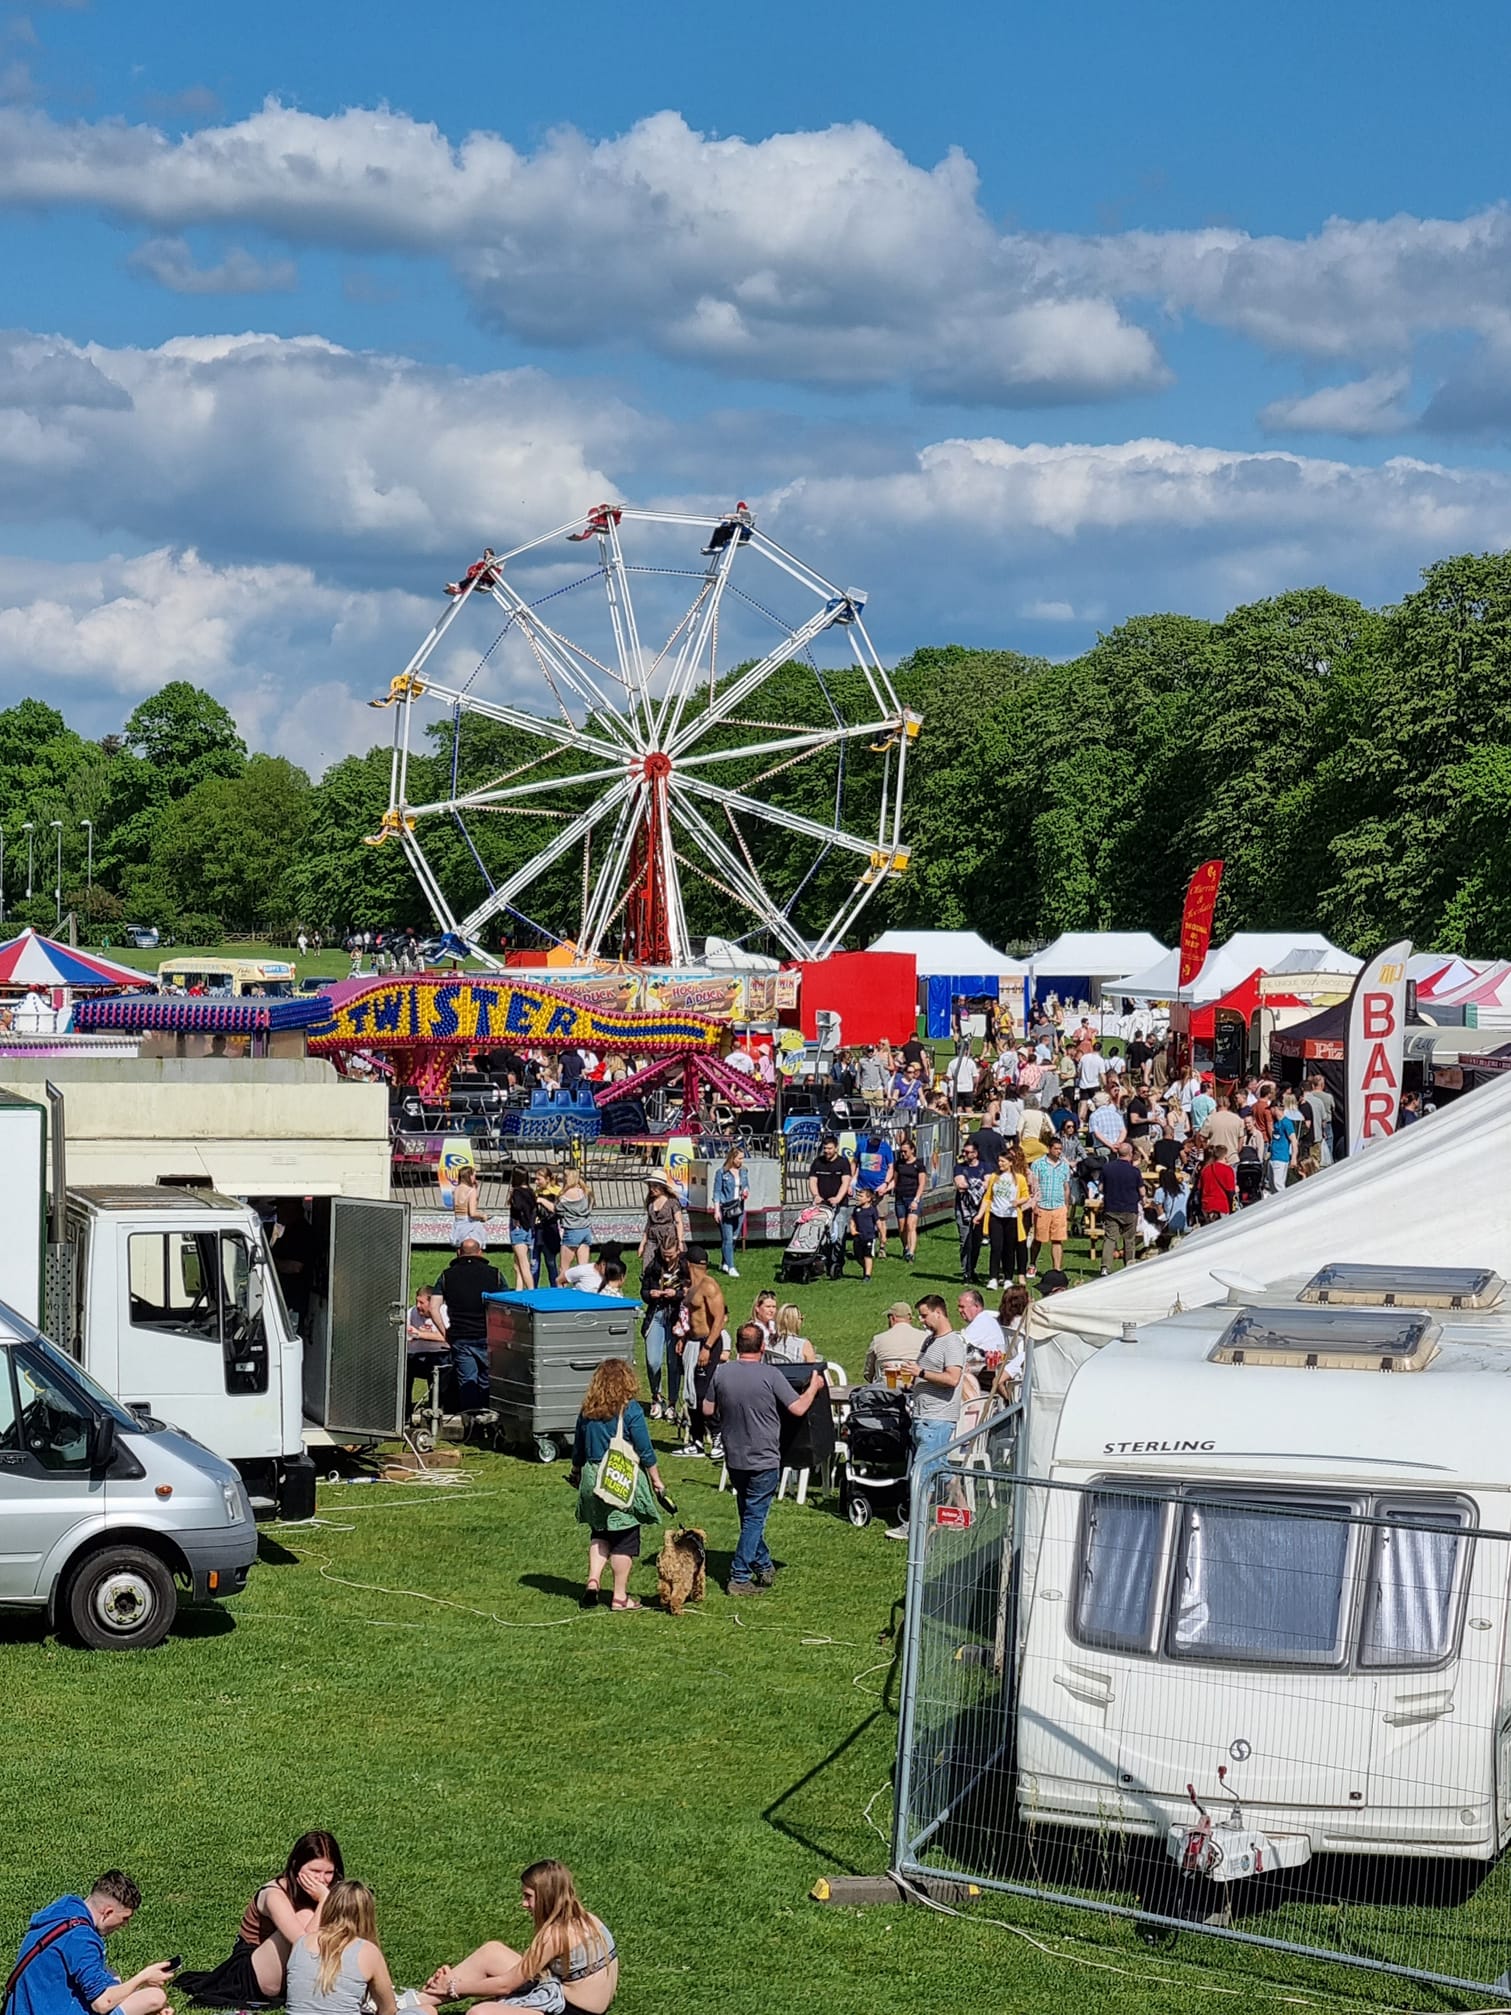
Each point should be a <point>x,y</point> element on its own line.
<point>617,1171</point>
<point>1282,1720</point>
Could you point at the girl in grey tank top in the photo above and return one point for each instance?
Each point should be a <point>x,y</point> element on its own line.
<point>346,1993</point>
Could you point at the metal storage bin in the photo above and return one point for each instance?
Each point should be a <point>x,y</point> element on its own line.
<point>544,1344</point>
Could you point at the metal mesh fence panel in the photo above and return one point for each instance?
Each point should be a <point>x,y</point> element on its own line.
<point>1279,1717</point>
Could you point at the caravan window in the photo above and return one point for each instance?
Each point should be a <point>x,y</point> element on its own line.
<point>1262,1584</point>
<point>1418,1567</point>
<point>1120,1584</point>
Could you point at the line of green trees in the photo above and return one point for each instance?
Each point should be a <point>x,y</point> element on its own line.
<point>1351,765</point>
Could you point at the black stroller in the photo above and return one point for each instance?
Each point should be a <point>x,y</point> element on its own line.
<point>878,1445</point>
<point>810,1253</point>
<point>1249,1176</point>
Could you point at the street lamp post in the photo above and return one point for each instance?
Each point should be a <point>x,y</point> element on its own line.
<point>2,874</point>
<point>29,831</point>
<point>57,887</point>
<point>88,825</point>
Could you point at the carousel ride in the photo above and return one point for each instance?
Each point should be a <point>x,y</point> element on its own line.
<point>657,766</point>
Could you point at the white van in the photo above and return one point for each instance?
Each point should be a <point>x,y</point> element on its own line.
<point>106,1516</point>
<point>1268,1589</point>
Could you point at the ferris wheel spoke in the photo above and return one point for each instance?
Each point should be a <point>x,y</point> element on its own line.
<point>690,657</point>
<point>872,668</point>
<point>625,627</point>
<point>790,564</point>
<point>814,740</point>
<point>778,815</point>
<point>735,694</point>
<point>602,907</point>
<point>564,661</point>
<point>529,724</point>
<point>507,792</point>
<point>747,885</point>
<point>563,842</point>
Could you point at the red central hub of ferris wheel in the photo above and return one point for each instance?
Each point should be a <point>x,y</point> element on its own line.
<point>647,925</point>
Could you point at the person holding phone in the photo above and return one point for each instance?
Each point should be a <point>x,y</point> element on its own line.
<point>61,1967</point>
<point>279,1914</point>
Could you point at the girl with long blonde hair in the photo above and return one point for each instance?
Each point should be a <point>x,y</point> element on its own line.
<point>336,1968</point>
<point>572,1951</point>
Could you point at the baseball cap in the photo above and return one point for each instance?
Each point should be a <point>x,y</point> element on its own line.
<point>901,1310</point>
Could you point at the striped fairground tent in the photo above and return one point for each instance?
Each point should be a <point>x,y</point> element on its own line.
<point>32,960</point>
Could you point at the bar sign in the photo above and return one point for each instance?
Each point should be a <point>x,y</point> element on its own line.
<point>957,1515</point>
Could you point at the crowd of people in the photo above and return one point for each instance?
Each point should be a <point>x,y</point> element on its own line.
<point>308,1942</point>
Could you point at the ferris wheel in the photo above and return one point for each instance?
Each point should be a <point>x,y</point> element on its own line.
<point>661,768</point>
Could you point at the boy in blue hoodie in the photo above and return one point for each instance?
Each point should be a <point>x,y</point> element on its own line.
<point>61,1968</point>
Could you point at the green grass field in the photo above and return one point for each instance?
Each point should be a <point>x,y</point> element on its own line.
<point>414,1672</point>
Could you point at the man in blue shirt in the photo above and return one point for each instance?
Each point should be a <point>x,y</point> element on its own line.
<point>873,1162</point>
<point>61,1969</point>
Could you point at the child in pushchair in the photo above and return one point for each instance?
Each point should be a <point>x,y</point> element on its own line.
<point>809,1251</point>
<point>878,1445</point>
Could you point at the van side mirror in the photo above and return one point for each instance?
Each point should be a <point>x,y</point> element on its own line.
<point>102,1442</point>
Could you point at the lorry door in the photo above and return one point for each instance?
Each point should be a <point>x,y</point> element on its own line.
<point>193,1343</point>
<point>356,1363</point>
<point>47,1488</point>
<point>1243,1611</point>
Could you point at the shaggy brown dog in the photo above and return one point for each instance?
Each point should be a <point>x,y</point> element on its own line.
<point>681,1570</point>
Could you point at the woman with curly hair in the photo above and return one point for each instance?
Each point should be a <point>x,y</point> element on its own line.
<point>609,1404</point>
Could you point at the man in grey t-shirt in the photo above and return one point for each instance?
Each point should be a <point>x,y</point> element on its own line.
<point>749,1398</point>
<point>936,1398</point>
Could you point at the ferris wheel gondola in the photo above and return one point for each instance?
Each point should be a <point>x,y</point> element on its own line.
<point>662,745</point>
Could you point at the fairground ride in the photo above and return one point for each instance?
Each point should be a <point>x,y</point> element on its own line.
<point>671,759</point>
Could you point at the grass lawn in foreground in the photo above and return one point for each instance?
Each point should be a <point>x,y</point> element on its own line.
<point>414,1672</point>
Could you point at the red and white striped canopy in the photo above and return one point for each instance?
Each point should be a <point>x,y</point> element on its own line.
<point>32,960</point>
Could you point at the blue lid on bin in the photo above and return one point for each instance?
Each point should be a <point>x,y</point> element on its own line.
<point>559,1298</point>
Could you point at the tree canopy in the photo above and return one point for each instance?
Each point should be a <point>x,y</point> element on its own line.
<point>1352,766</point>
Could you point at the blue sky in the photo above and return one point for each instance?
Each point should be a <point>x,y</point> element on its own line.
<point>1031,319</point>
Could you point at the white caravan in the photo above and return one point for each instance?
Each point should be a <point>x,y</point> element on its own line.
<point>1264,1608</point>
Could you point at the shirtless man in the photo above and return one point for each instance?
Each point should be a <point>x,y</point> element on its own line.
<point>704,1348</point>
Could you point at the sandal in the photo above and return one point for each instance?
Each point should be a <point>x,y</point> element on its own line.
<point>589,1596</point>
<point>629,1602</point>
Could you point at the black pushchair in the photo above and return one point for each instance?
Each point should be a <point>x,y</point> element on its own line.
<point>878,1444</point>
<point>1249,1176</point>
<point>809,1252</point>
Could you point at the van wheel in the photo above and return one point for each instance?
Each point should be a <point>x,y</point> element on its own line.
<point>546,1448</point>
<point>122,1599</point>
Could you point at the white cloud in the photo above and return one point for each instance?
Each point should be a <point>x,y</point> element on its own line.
<point>821,256</point>
<point>287,653</point>
<point>261,446</point>
<point>170,263</point>
<point>1367,406</point>
<point>825,256</point>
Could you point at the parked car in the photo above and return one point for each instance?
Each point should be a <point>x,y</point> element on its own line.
<point>142,937</point>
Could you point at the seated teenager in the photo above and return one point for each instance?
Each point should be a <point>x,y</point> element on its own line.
<point>336,1968</point>
<point>570,1963</point>
<point>280,1913</point>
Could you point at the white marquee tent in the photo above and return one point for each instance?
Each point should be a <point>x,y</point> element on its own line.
<point>1093,955</point>
<point>1365,1209</point>
<point>950,952</point>
<point>1227,964</point>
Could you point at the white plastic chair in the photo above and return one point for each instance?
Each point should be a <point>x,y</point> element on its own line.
<point>975,1458</point>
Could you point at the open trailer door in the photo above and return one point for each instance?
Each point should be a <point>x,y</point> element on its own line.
<point>355,1363</point>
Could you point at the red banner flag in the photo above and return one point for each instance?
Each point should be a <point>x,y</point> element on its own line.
<point>1196,920</point>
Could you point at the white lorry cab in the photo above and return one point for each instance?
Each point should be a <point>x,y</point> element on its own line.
<point>1264,1611</point>
<point>261,1329</point>
<point>106,1517</point>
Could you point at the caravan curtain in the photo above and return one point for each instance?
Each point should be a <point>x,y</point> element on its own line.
<point>1261,1585</point>
<point>1122,1544</point>
<point>1412,1590</point>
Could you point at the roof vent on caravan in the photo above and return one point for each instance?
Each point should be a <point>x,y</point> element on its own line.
<point>1327,1339</point>
<point>1405,1286</point>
